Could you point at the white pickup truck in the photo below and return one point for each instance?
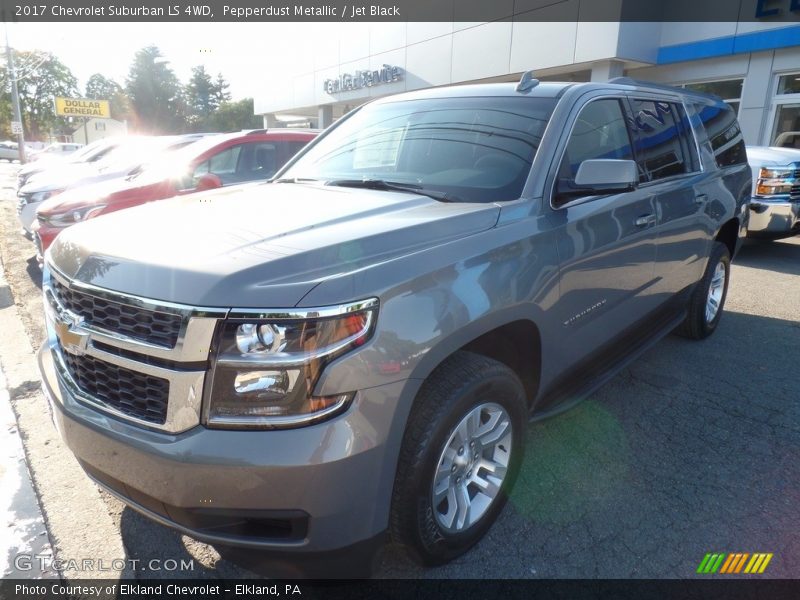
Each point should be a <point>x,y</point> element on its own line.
<point>775,205</point>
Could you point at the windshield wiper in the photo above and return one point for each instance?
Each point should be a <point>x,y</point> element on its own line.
<point>393,186</point>
<point>293,180</point>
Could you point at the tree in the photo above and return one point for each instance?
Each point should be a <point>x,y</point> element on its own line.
<point>41,77</point>
<point>100,87</point>
<point>201,97</point>
<point>234,116</point>
<point>221,93</point>
<point>157,100</point>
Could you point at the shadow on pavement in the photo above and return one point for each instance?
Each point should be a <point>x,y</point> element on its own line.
<point>782,256</point>
<point>693,448</point>
<point>34,272</point>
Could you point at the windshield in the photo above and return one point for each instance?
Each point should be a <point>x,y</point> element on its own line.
<point>473,149</point>
<point>137,154</point>
<point>87,153</point>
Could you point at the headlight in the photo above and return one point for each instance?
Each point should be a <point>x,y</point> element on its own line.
<point>266,367</point>
<point>74,216</point>
<point>42,196</point>
<point>775,172</point>
<point>775,181</point>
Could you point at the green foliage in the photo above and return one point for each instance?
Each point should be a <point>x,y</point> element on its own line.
<point>100,87</point>
<point>152,99</point>
<point>200,94</point>
<point>233,116</point>
<point>158,104</point>
<point>221,93</point>
<point>40,78</point>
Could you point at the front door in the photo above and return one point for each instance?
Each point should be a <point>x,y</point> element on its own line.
<point>606,243</point>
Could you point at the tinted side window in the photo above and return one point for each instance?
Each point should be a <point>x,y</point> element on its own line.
<point>259,161</point>
<point>659,149</point>
<point>687,138</point>
<point>292,148</point>
<point>724,133</point>
<point>599,132</point>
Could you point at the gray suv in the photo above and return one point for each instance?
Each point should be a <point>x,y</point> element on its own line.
<point>356,347</point>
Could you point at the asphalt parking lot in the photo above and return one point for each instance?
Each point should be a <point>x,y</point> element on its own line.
<point>694,448</point>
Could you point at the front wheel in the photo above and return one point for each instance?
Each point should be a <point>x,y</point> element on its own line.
<point>708,298</point>
<point>459,459</point>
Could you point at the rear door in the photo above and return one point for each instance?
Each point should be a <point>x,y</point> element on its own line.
<point>606,243</point>
<point>670,170</point>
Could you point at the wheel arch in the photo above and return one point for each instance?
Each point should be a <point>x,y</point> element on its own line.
<point>510,337</point>
<point>728,234</point>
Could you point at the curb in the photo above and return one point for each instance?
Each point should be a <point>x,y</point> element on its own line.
<point>79,525</point>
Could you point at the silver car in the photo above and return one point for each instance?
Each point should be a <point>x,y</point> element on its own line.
<point>300,366</point>
<point>775,205</point>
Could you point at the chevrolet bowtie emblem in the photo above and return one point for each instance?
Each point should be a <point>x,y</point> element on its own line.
<point>74,339</point>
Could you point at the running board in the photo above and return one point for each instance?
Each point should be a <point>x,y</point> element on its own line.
<point>571,390</point>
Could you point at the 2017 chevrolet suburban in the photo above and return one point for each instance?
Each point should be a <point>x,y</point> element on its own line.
<point>356,347</point>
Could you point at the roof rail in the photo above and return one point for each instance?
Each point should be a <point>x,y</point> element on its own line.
<point>661,86</point>
<point>254,131</point>
<point>527,82</point>
<point>623,81</point>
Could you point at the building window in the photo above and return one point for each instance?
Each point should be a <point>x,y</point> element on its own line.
<point>730,90</point>
<point>789,84</point>
<point>99,126</point>
<point>786,128</point>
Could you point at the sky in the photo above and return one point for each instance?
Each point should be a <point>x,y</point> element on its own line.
<point>249,55</point>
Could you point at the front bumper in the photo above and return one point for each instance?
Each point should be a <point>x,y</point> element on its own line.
<point>46,235</point>
<point>307,490</point>
<point>26,211</point>
<point>774,218</point>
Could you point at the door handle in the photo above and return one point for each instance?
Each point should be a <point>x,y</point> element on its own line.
<point>700,198</point>
<point>645,220</point>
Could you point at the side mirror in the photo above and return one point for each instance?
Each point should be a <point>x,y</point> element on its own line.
<point>606,176</point>
<point>209,181</point>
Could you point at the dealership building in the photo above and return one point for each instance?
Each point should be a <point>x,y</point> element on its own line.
<point>753,64</point>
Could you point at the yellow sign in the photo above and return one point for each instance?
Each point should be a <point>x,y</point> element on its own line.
<point>82,107</point>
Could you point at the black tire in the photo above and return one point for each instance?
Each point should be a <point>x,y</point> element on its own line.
<point>459,385</point>
<point>696,326</point>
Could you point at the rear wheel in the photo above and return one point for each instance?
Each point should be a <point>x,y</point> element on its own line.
<point>708,299</point>
<point>459,459</point>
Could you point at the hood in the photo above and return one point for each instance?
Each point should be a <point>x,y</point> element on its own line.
<point>58,178</point>
<point>256,246</point>
<point>759,156</point>
<point>95,192</point>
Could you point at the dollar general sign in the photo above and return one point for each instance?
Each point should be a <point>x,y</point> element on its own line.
<point>82,107</point>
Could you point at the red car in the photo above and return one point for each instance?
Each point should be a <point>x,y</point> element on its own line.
<point>209,163</point>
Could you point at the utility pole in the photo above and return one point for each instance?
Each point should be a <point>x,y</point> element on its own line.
<point>12,74</point>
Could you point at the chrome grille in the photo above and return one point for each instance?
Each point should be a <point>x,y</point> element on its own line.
<point>133,394</point>
<point>106,360</point>
<point>22,201</point>
<point>153,327</point>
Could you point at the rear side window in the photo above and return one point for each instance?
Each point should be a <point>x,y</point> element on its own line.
<point>664,143</point>
<point>724,134</point>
